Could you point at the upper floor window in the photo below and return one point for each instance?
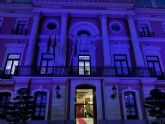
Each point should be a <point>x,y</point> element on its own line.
<point>11,63</point>
<point>84,65</point>
<point>121,64</point>
<point>154,65</point>
<point>47,62</point>
<point>4,100</point>
<point>145,30</point>
<point>40,105</point>
<point>130,103</point>
<point>21,27</point>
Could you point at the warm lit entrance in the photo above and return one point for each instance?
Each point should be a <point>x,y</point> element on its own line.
<point>85,106</point>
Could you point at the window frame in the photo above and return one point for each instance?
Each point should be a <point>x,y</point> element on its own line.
<point>121,60</point>
<point>47,64</point>
<point>84,65</point>
<point>40,106</point>
<point>16,25</point>
<point>19,60</point>
<point>131,117</point>
<point>153,61</point>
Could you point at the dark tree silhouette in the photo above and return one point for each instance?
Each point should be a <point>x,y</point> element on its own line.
<point>20,110</point>
<point>155,104</point>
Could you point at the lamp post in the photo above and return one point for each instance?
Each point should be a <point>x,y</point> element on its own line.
<point>114,89</point>
<point>58,92</point>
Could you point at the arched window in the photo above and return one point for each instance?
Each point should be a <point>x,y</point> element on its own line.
<point>131,107</point>
<point>40,105</point>
<point>4,100</point>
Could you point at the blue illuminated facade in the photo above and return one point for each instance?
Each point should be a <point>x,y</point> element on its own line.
<point>83,60</point>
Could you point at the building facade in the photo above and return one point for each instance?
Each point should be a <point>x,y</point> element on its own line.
<point>84,60</point>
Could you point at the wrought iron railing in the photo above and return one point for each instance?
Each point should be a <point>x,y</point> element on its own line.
<point>19,31</point>
<point>74,71</point>
<point>147,34</point>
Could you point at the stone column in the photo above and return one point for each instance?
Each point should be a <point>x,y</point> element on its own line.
<point>135,43</point>
<point>32,42</point>
<point>63,40</point>
<point>106,45</point>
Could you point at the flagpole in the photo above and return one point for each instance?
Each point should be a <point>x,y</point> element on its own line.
<point>73,51</point>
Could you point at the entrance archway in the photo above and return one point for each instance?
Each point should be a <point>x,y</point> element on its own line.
<point>85,104</point>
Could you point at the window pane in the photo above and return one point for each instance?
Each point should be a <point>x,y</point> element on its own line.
<point>15,64</point>
<point>8,67</point>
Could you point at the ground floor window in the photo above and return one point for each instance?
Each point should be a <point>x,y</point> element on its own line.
<point>4,100</point>
<point>40,105</point>
<point>130,103</point>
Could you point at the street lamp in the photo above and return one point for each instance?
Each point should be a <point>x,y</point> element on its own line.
<point>58,92</point>
<point>114,89</point>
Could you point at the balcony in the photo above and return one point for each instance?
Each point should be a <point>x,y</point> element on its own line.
<point>73,71</point>
<point>147,34</point>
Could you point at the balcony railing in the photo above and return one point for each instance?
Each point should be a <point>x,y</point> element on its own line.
<point>74,71</point>
<point>147,34</point>
<point>18,31</point>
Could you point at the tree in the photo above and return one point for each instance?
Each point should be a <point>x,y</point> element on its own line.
<point>155,104</point>
<point>20,110</point>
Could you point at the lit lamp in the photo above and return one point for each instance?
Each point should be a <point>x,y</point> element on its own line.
<point>114,89</point>
<point>58,92</point>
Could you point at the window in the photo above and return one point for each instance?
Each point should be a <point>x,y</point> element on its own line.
<point>11,64</point>
<point>4,100</point>
<point>47,62</point>
<point>40,105</point>
<point>130,103</point>
<point>154,65</point>
<point>21,27</point>
<point>145,30</point>
<point>116,26</point>
<point>121,64</point>
<point>84,65</point>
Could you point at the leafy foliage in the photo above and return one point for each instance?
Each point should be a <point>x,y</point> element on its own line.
<point>155,104</point>
<point>21,108</point>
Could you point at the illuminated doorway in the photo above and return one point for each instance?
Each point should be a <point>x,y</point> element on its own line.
<point>85,106</point>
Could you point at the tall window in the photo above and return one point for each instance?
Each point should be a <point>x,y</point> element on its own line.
<point>154,65</point>
<point>121,64</point>
<point>40,105</point>
<point>4,100</point>
<point>21,27</point>
<point>84,65</point>
<point>130,103</point>
<point>11,64</point>
<point>47,62</point>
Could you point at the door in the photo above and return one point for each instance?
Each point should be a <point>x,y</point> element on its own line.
<point>85,107</point>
